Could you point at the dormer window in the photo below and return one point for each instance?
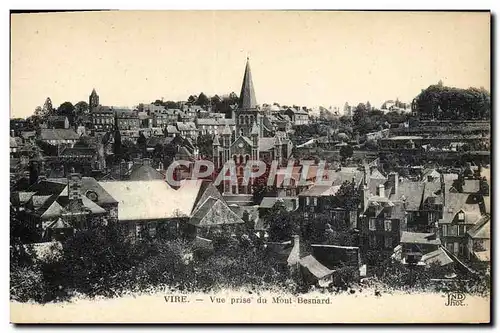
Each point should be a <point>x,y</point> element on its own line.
<point>461,216</point>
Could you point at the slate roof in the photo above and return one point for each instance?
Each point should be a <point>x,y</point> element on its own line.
<point>78,151</point>
<point>320,190</point>
<point>289,202</point>
<point>172,129</point>
<point>28,134</point>
<point>57,207</point>
<point>58,134</point>
<point>56,118</point>
<point>266,144</point>
<point>487,204</point>
<point>376,174</point>
<point>456,202</point>
<point>152,200</point>
<point>411,192</point>
<point>207,190</point>
<point>144,173</point>
<point>345,174</point>
<point>419,238</point>
<point>88,184</point>
<point>13,142</point>
<point>315,267</point>
<point>471,186</point>
<point>438,256</point>
<point>214,212</point>
<point>481,229</point>
<point>297,111</point>
<point>188,126</point>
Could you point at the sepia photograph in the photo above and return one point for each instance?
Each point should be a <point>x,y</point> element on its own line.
<point>241,166</point>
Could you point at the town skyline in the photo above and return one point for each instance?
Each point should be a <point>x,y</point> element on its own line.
<point>355,69</point>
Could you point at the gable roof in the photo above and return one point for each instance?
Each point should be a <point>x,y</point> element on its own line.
<point>419,238</point>
<point>438,256</point>
<point>58,134</point>
<point>150,200</point>
<point>471,186</point>
<point>266,144</point>
<point>89,184</point>
<point>246,140</point>
<point>315,267</point>
<point>481,229</point>
<point>145,172</point>
<point>214,212</point>
<point>320,190</point>
<point>455,202</point>
<point>411,193</point>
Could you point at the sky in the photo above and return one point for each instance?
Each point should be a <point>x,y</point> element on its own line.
<point>306,58</point>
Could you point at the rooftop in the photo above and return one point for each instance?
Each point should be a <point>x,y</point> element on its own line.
<point>419,238</point>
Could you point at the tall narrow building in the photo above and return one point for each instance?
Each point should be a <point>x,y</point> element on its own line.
<point>249,143</point>
<point>246,113</point>
<point>93,100</point>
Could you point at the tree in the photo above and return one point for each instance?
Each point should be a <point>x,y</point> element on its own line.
<point>38,111</point>
<point>47,109</point>
<point>192,98</point>
<point>215,100</point>
<point>205,145</point>
<point>359,112</point>
<point>67,109</point>
<point>282,224</point>
<point>171,105</point>
<point>81,108</point>
<point>348,196</point>
<point>368,106</point>
<point>202,100</point>
<point>346,152</point>
<point>441,102</point>
<point>142,144</point>
<point>233,98</point>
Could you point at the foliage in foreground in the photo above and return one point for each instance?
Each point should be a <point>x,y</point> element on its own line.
<point>100,262</point>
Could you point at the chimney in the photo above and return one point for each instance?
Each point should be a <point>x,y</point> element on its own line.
<point>294,257</point>
<point>393,180</point>
<point>137,161</point>
<point>381,190</point>
<point>74,192</point>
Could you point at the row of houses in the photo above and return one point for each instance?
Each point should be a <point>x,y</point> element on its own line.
<point>55,208</point>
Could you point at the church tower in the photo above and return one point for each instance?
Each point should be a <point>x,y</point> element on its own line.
<point>246,113</point>
<point>93,100</point>
<point>215,154</point>
<point>255,141</point>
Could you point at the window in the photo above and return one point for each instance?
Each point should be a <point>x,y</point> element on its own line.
<point>315,201</point>
<point>452,230</point>
<point>152,229</point>
<point>306,215</point>
<point>430,217</point>
<point>308,202</point>
<point>462,230</point>
<point>449,247</point>
<point>373,241</point>
<point>388,242</point>
<point>388,225</point>
<point>461,216</point>
<point>372,224</point>
<point>444,230</point>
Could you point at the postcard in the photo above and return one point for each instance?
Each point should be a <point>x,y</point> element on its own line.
<point>250,167</point>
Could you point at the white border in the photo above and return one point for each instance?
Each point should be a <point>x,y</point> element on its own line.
<point>191,4</point>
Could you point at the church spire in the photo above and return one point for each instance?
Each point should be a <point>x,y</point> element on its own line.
<point>247,94</point>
